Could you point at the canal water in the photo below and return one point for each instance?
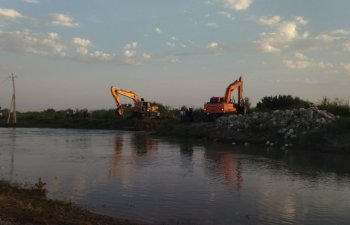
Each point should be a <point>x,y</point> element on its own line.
<point>161,180</point>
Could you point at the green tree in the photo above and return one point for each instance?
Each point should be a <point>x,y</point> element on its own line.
<point>336,106</point>
<point>281,102</point>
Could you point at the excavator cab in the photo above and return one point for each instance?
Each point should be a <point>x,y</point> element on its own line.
<point>215,100</point>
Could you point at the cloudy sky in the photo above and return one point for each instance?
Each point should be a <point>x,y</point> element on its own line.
<point>67,53</point>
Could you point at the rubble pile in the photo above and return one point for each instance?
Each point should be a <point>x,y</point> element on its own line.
<point>277,126</point>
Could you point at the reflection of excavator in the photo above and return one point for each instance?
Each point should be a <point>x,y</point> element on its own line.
<point>142,109</point>
<point>223,105</point>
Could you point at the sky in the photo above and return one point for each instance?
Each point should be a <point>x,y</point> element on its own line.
<point>67,54</point>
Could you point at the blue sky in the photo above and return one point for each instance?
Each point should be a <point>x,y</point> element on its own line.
<point>66,54</point>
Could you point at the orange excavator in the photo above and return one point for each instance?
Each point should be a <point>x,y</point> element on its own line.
<point>218,106</point>
<point>142,109</point>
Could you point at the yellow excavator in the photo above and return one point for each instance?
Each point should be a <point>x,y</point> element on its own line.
<point>142,109</point>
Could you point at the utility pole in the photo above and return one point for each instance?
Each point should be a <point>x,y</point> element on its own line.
<point>13,102</point>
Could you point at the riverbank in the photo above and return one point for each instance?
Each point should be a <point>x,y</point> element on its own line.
<point>29,205</point>
<point>307,129</point>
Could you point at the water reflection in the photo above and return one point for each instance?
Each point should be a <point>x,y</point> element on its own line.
<point>134,175</point>
<point>12,150</point>
<point>186,148</point>
<point>225,165</point>
<point>128,150</point>
<point>116,156</point>
<point>143,144</point>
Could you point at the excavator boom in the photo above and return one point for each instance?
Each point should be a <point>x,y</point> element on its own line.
<point>118,103</point>
<point>237,84</point>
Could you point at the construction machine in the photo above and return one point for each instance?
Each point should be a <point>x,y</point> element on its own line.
<point>218,106</point>
<point>142,109</point>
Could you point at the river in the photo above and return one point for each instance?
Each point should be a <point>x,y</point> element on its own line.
<point>133,175</point>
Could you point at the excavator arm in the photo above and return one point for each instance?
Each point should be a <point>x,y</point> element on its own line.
<point>116,92</point>
<point>142,109</point>
<point>233,86</point>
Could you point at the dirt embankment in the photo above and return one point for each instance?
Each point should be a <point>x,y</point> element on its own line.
<point>299,128</point>
<point>31,207</point>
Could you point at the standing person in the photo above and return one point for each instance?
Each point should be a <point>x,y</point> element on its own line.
<point>190,114</point>
<point>182,115</point>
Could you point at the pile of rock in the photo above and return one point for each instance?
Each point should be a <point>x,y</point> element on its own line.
<point>283,126</point>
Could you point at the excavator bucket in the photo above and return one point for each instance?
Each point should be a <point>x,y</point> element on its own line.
<point>120,111</point>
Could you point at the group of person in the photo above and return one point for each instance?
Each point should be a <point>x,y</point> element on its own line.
<point>186,114</point>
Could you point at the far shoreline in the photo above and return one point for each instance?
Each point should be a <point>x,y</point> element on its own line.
<point>317,141</point>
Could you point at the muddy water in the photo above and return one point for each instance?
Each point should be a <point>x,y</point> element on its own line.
<point>156,180</point>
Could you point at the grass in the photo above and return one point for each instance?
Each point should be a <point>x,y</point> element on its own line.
<point>29,205</point>
<point>60,120</point>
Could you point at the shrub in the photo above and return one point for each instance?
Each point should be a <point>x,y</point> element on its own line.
<point>281,102</point>
<point>337,106</point>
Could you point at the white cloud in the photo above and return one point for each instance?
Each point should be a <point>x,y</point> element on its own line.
<point>146,56</point>
<point>267,47</point>
<point>300,56</point>
<point>303,62</point>
<point>30,42</point>
<point>347,46</point>
<point>283,33</point>
<point>101,56</point>
<point>59,19</point>
<point>129,53</point>
<point>174,59</point>
<point>237,4</point>
<point>346,67</point>
<point>208,3</point>
<point>82,48</point>
<point>81,42</point>
<point>325,65</point>
<point>327,40</point>
<point>131,45</point>
<point>171,44</point>
<point>213,45</point>
<point>298,64</point>
<point>227,15</point>
<point>129,49</point>
<point>50,45</point>
<point>174,42</point>
<point>301,20</point>
<point>32,1</point>
<point>270,21</point>
<point>132,56</point>
<point>288,31</point>
<point>212,24</point>
<point>158,30</point>
<point>10,13</point>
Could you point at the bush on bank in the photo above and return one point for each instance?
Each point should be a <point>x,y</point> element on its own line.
<point>335,106</point>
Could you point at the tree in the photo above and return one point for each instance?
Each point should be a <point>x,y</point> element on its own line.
<point>281,102</point>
